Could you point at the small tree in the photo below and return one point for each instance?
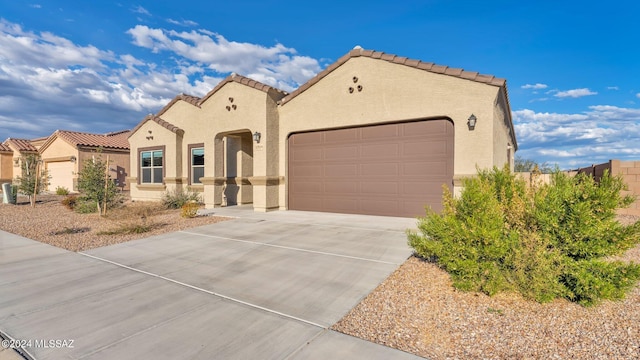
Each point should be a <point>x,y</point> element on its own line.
<point>34,178</point>
<point>527,165</point>
<point>96,185</point>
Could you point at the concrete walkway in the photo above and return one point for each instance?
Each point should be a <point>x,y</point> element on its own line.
<point>263,286</point>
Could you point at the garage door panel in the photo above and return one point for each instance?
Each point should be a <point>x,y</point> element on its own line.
<point>308,171</point>
<point>348,136</point>
<point>383,169</point>
<point>341,187</point>
<point>380,151</point>
<point>424,168</point>
<point>380,188</point>
<point>341,170</point>
<point>425,128</point>
<point>419,148</point>
<point>308,139</point>
<point>341,152</point>
<point>307,154</point>
<point>307,187</point>
<point>380,132</point>
<point>393,169</point>
<point>60,174</point>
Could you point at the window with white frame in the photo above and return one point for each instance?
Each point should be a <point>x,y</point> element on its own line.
<point>197,164</point>
<point>151,166</point>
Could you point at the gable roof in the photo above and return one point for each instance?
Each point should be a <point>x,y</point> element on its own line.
<point>244,81</point>
<point>114,140</point>
<point>157,119</point>
<point>426,66</point>
<point>197,102</point>
<point>418,64</point>
<point>22,145</point>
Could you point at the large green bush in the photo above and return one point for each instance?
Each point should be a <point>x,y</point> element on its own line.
<point>544,241</point>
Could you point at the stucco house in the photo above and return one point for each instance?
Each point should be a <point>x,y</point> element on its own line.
<point>65,152</point>
<point>11,153</point>
<point>373,133</point>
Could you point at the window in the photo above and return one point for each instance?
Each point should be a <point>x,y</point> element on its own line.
<point>151,166</point>
<point>197,163</point>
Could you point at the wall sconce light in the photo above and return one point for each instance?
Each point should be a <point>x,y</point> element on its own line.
<point>73,158</point>
<point>256,137</point>
<point>472,122</point>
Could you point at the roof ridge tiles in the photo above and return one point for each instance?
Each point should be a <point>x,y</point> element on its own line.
<point>418,64</point>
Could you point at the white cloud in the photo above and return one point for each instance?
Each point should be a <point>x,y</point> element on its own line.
<point>600,133</point>
<point>575,93</point>
<point>35,6</point>
<point>186,23</point>
<point>536,86</point>
<point>48,82</point>
<point>638,95</point>
<point>613,88</point>
<point>276,65</point>
<point>140,10</point>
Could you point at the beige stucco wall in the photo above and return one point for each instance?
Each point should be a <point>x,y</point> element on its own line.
<point>390,93</point>
<point>6,167</point>
<point>255,110</point>
<point>502,140</point>
<point>172,152</point>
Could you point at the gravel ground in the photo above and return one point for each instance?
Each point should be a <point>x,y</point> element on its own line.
<point>52,223</point>
<point>417,310</point>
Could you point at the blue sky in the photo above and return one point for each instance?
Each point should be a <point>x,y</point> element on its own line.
<point>572,67</point>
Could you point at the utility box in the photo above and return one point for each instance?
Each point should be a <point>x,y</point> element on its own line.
<point>8,196</point>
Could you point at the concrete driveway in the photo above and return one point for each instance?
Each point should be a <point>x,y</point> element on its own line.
<point>263,286</point>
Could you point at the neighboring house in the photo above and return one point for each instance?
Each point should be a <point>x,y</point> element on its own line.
<point>6,164</point>
<point>373,133</point>
<point>65,152</point>
<point>16,150</point>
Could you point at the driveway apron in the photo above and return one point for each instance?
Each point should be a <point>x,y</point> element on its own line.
<point>262,285</point>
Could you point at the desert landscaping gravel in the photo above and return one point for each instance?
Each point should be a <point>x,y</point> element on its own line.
<point>52,223</point>
<point>415,310</point>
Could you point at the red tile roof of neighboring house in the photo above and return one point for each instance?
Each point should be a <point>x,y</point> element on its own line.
<point>22,145</point>
<point>5,148</point>
<point>114,140</point>
<point>165,124</point>
<point>427,66</point>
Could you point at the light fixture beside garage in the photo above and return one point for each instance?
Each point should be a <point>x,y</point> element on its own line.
<point>256,137</point>
<point>472,122</point>
<point>73,158</point>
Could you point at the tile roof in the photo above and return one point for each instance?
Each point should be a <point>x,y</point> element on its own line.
<point>22,145</point>
<point>244,81</point>
<point>5,148</point>
<point>197,102</point>
<point>427,66</point>
<point>158,120</point>
<point>193,100</point>
<point>114,140</point>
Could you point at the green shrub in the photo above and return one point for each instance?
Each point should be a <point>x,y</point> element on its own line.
<point>175,199</point>
<point>84,206</point>
<point>545,242</point>
<point>61,190</point>
<point>189,210</point>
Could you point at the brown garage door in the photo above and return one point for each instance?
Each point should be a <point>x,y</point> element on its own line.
<point>392,169</point>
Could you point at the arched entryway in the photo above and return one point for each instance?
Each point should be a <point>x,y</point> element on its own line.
<point>233,172</point>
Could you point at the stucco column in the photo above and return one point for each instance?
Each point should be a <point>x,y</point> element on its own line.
<point>213,181</point>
